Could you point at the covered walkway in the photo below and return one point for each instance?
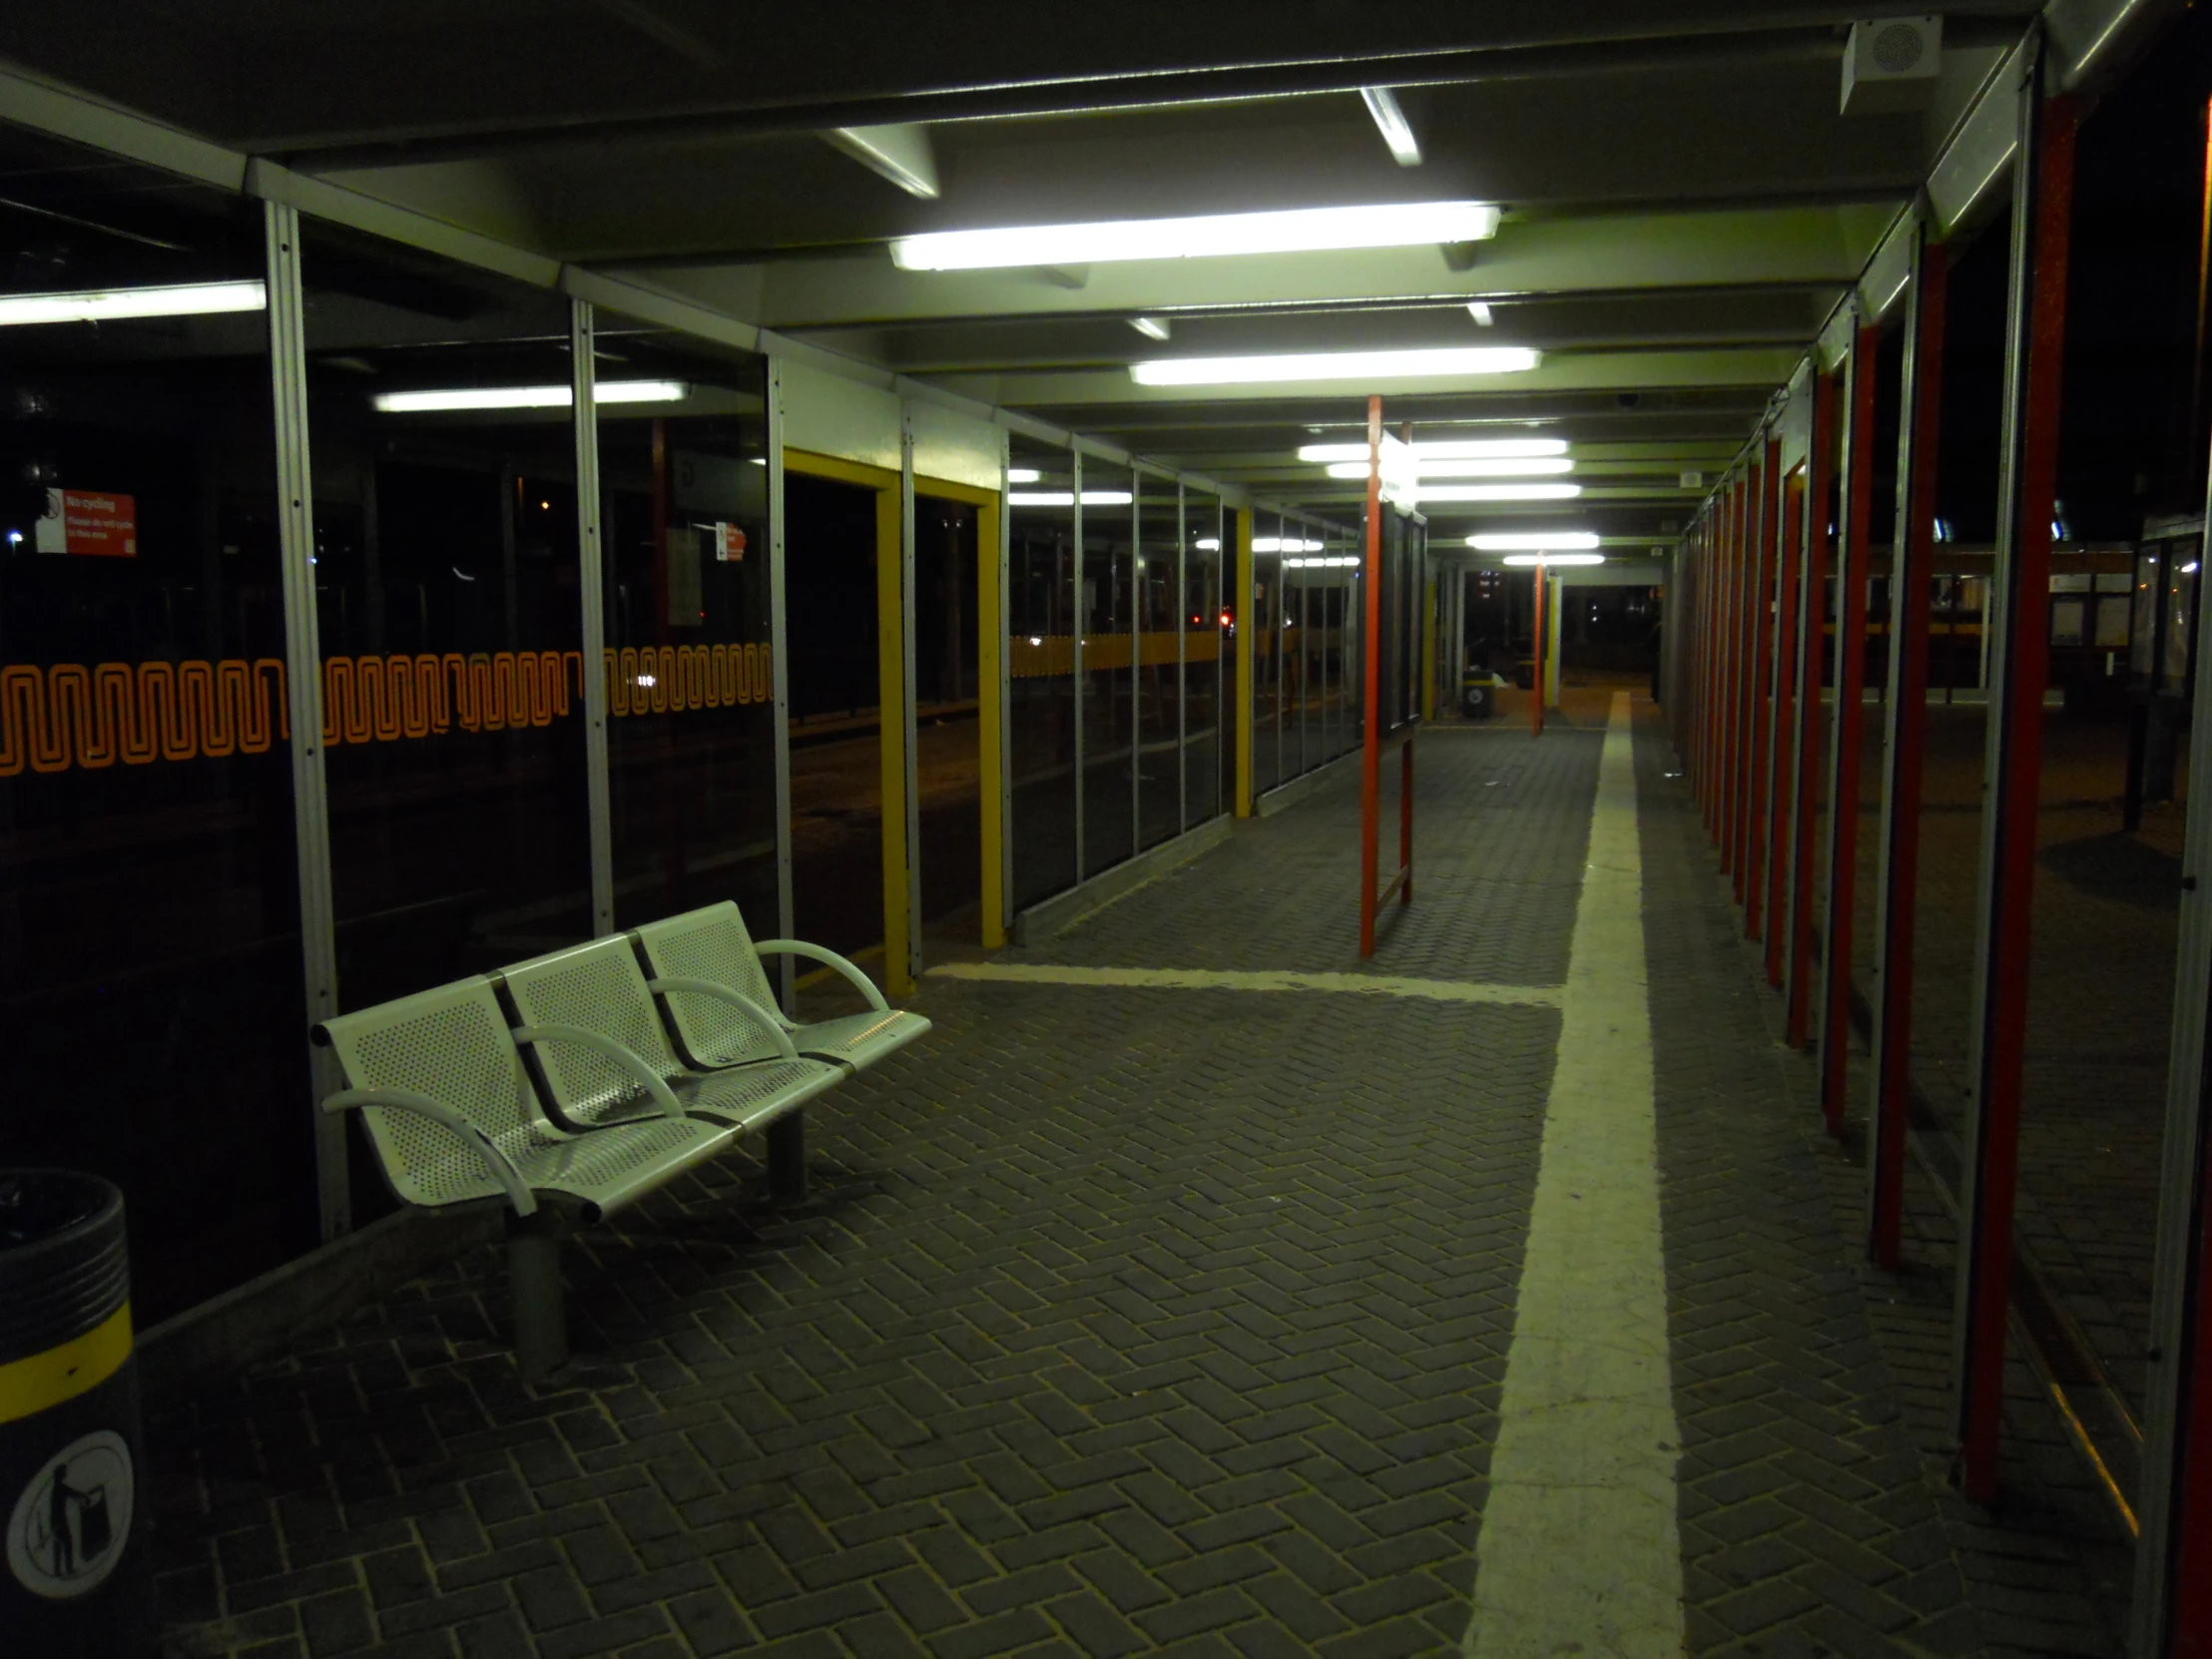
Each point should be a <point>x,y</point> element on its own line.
<point>1194,1288</point>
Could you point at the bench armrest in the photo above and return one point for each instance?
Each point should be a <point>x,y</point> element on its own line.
<point>815,953</point>
<point>744,1004</point>
<point>501,1166</point>
<point>655,1085</point>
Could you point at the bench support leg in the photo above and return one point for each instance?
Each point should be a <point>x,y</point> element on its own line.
<point>787,1157</point>
<point>534,1284</point>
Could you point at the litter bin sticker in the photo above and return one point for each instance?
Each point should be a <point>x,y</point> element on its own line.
<point>69,1524</point>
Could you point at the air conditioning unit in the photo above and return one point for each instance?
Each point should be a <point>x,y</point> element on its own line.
<point>1891,64</point>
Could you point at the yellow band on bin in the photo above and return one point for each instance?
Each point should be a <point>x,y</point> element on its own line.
<point>31,1385</point>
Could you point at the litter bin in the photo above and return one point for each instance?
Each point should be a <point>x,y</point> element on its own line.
<point>78,1582</point>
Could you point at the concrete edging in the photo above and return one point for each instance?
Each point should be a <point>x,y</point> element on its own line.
<point>1054,915</point>
<point>1298,787</point>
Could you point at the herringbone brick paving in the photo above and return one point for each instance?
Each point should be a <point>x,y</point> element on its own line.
<point>1118,1322</point>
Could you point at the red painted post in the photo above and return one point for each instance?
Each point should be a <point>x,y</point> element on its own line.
<point>2189,1621</point>
<point>1845,731</point>
<point>1902,759</point>
<point>1727,645</point>
<point>1370,757</point>
<point>1805,791</point>
<point>1701,701</point>
<point>2019,671</point>
<point>1780,749</point>
<point>1759,597</point>
<point>1710,648</point>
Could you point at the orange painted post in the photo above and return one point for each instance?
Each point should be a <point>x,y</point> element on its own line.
<point>1370,757</point>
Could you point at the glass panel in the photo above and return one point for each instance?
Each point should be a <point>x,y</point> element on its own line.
<point>1206,654</point>
<point>451,617</point>
<point>690,731</point>
<point>947,734</point>
<point>1041,610</point>
<point>1109,611</point>
<point>149,909</point>
<point>1159,672</point>
<point>1266,651</point>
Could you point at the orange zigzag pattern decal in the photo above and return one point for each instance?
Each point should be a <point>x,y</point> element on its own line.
<point>70,715</point>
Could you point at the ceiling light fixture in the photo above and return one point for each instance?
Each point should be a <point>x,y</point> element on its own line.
<point>527,397</point>
<point>1066,498</point>
<point>1298,230</point>
<point>1022,475</point>
<point>121,305</point>
<point>1533,541</point>
<point>1152,327</point>
<point>1284,544</point>
<point>1391,122</point>
<point>1479,309</point>
<point>1532,467</point>
<point>1336,365</point>
<point>1444,450</point>
<point>1553,559</point>
<point>1500,492</point>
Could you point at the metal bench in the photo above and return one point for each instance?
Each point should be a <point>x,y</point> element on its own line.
<point>453,1118</point>
<point>589,1015</point>
<point>705,963</point>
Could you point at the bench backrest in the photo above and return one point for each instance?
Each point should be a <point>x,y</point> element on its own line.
<point>712,945</point>
<point>600,987</point>
<point>452,1044</point>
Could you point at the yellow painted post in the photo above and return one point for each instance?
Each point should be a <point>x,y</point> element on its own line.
<point>1428,648</point>
<point>1243,619</point>
<point>990,656</point>
<point>890,676</point>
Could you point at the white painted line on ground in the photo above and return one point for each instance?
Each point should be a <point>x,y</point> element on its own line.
<point>1257,979</point>
<point>1579,1552</point>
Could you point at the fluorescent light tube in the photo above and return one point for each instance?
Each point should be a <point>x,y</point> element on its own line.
<point>1066,498</point>
<point>1022,475</point>
<point>527,397</point>
<point>1298,230</point>
<point>1533,466</point>
<point>1336,365</point>
<point>1479,309</point>
<point>120,305</point>
<point>1391,122</point>
<point>1533,541</point>
<point>1152,327</point>
<point>1284,544</point>
<point>1443,449</point>
<point>1500,492</point>
<point>1209,544</point>
<point>1553,559</point>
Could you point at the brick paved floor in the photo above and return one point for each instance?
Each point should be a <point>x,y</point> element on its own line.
<point>1119,1321</point>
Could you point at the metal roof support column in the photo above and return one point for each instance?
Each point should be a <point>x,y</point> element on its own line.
<point>1791,540</point>
<point>1919,430</point>
<point>1847,724</point>
<point>1796,885</point>
<point>2020,668</point>
<point>1370,757</point>
<point>2172,1610</point>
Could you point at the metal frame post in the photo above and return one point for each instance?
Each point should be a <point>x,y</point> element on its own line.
<point>1370,757</point>
<point>1805,758</point>
<point>1847,724</point>
<point>787,977</point>
<point>996,621</point>
<point>591,578</point>
<point>1136,659</point>
<point>2172,1609</point>
<point>1726,641</point>
<point>1539,677</point>
<point>908,735</point>
<point>1237,566</point>
<point>310,810</point>
<point>1792,541</point>
<point>1758,710</point>
<point>1919,435</point>
<point>2019,666</point>
<point>1182,660</point>
<point>1075,650</point>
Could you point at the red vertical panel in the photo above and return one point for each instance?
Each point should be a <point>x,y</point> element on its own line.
<point>1797,884</point>
<point>1908,620</point>
<point>1731,747</point>
<point>2190,1615</point>
<point>1851,725</point>
<point>1370,757</point>
<point>1758,664</point>
<point>1782,751</point>
<point>2027,642</point>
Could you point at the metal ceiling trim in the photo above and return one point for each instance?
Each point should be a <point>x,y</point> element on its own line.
<point>1974,167</point>
<point>1883,282</point>
<point>2096,41</point>
<point>59,112</point>
<point>651,306</point>
<point>338,206</point>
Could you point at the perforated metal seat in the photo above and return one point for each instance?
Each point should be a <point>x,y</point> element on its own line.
<point>450,1111</point>
<point>699,952</point>
<point>589,1014</point>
